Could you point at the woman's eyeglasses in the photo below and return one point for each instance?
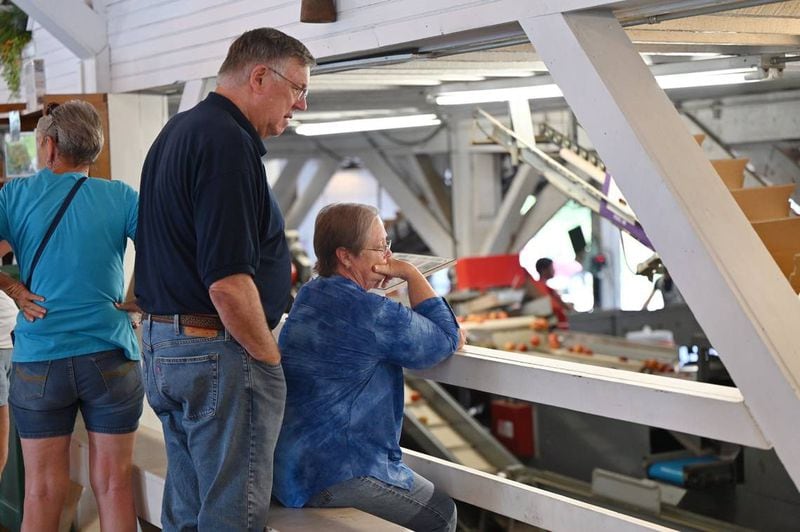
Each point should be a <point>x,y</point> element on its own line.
<point>387,247</point>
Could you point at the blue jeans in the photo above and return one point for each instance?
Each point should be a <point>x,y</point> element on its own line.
<point>221,411</point>
<point>422,508</point>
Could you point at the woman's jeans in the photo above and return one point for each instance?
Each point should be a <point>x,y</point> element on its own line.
<point>221,411</point>
<point>422,508</point>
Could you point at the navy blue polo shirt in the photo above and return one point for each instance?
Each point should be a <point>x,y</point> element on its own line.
<point>206,212</point>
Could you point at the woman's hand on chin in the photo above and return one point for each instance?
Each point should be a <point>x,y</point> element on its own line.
<point>394,268</point>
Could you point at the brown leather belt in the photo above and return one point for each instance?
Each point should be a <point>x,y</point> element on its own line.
<point>203,321</point>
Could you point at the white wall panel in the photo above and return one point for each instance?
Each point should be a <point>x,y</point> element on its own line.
<point>62,68</point>
<point>160,42</point>
<point>5,95</point>
<point>157,43</point>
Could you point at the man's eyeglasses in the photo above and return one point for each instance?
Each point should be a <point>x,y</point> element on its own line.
<point>387,247</point>
<point>300,91</point>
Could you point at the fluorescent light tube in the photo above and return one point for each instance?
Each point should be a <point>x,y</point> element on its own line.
<point>550,90</point>
<point>535,92</point>
<point>367,124</point>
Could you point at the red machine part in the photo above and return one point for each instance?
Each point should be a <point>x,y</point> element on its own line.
<point>477,273</point>
<point>512,425</point>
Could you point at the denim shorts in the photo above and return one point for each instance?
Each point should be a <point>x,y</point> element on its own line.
<point>106,386</point>
<point>5,368</point>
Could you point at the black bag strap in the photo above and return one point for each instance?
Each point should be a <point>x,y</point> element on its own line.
<point>52,228</point>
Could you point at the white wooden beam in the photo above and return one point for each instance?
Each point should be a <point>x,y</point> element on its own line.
<point>76,25</point>
<point>548,202</point>
<point>729,38</point>
<point>507,221</point>
<point>476,189</point>
<point>442,195</point>
<point>521,502</point>
<point>285,188</point>
<point>521,119</point>
<point>308,196</point>
<point>732,24</point>
<point>731,283</point>
<point>427,226</point>
<point>693,407</point>
<point>96,72</point>
<point>414,171</point>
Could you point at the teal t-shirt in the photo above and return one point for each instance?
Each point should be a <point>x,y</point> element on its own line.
<point>80,273</point>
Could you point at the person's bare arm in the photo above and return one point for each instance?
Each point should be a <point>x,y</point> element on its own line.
<point>239,306</point>
<point>25,299</point>
<point>131,305</point>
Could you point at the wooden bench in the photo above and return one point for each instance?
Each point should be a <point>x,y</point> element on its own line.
<point>150,467</point>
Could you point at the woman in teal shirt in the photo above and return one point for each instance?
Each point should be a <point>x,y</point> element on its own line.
<point>73,349</point>
<point>343,352</point>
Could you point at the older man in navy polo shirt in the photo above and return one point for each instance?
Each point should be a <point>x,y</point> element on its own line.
<point>213,277</point>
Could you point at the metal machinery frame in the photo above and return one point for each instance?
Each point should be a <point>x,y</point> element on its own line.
<point>732,284</point>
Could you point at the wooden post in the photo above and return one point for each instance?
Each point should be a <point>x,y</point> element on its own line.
<point>317,11</point>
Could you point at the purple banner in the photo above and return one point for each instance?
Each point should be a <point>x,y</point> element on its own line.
<point>635,230</point>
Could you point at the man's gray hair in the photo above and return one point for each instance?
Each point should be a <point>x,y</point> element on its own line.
<point>262,45</point>
<point>77,130</point>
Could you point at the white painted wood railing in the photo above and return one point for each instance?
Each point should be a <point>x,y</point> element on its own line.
<point>716,412</point>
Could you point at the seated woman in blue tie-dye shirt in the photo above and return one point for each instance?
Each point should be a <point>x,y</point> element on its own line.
<point>344,350</point>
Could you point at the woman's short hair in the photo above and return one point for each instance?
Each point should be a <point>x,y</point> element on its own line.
<point>77,130</point>
<point>262,45</point>
<point>340,225</point>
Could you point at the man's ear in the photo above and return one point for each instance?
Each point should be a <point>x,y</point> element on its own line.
<point>257,75</point>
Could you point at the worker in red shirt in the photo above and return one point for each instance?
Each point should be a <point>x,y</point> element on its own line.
<point>534,289</point>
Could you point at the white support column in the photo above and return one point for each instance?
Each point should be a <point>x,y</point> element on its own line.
<point>194,91</point>
<point>610,236</point>
<point>507,222</point>
<point>427,226</point>
<point>508,218</point>
<point>548,202</point>
<point>285,188</point>
<point>415,172</point>
<point>476,190</point>
<point>522,120</point>
<point>305,200</point>
<point>733,286</point>
<point>96,73</point>
<point>463,217</point>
